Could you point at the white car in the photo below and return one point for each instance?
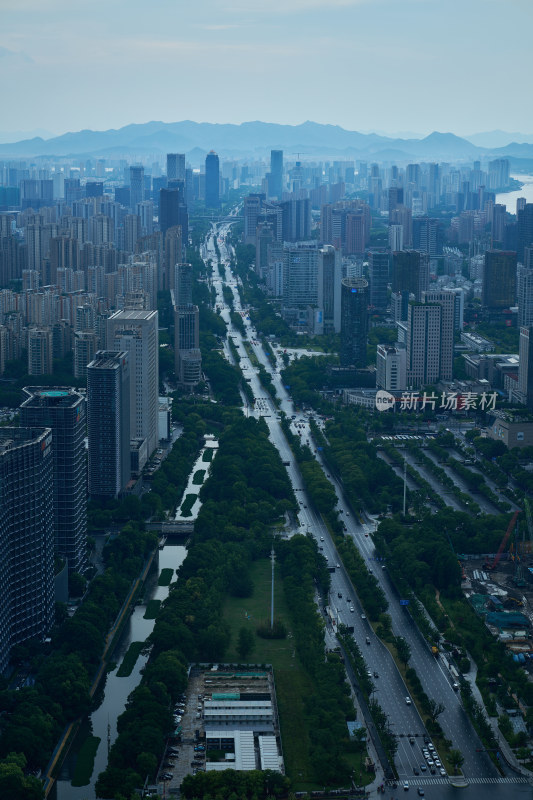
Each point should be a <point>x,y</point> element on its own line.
<point>352,608</point>
<point>407,701</point>
<point>405,785</point>
<point>442,771</point>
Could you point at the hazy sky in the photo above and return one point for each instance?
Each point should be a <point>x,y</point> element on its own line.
<point>389,65</point>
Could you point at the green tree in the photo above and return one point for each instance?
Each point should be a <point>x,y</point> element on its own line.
<point>435,709</point>
<point>246,643</point>
<point>403,649</point>
<point>456,759</point>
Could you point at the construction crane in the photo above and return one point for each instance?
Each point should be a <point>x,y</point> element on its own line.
<point>529,520</point>
<point>503,542</point>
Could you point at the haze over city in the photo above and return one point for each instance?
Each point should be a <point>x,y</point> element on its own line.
<point>372,65</point>
<point>266,399</point>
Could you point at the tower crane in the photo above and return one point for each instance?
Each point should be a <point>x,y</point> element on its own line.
<point>503,542</point>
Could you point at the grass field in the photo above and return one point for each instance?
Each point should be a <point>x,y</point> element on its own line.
<point>152,609</point>
<point>186,506</point>
<point>293,684</point>
<point>85,761</point>
<point>165,576</point>
<point>198,477</point>
<point>128,662</point>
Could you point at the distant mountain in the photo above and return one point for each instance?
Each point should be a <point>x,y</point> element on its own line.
<point>252,139</point>
<point>493,139</point>
<point>15,136</point>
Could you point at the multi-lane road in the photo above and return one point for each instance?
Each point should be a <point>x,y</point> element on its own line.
<point>390,690</point>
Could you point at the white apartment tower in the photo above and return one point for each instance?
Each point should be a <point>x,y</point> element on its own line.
<point>391,367</point>
<point>446,300</point>
<point>136,331</point>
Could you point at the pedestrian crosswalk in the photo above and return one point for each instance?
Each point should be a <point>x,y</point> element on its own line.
<point>429,781</point>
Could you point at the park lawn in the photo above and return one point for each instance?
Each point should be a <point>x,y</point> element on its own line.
<point>186,506</point>
<point>85,761</point>
<point>165,576</point>
<point>293,684</point>
<point>152,609</point>
<point>208,454</point>
<point>198,477</point>
<point>128,662</point>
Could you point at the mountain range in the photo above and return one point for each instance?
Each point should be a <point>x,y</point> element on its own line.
<point>256,139</point>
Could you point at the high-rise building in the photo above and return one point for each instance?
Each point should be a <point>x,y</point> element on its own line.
<point>524,290</point>
<point>136,332</point>
<point>428,236</point>
<point>176,166</point>
<point>525,367</point>
<point>275,187</point>
<point>378,270</point>
<point>354,321</point>
<point>446,300</point>
<point>27,599</point>
<point>524,218</point>
<point>170,200</point>
<point>212,180</point>
<point>136,186</point>
<point>329,287</point>
<point>300,274</point>
<point>391,367</point>
<point>40,351</point>
<point>499,279</point>
<point>423,344</point>
<point>85,347</point>
<point>63,411</point>
<point>183,284</point>
<point>252,208</point>
<point>410,272</point>
<point>187,345</point>
<point>108,424</point>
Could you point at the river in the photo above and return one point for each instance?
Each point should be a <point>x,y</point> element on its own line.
<point>116,690</point>
<point>509,198</point>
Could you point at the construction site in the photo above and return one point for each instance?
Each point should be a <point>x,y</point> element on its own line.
<point>500,587</point>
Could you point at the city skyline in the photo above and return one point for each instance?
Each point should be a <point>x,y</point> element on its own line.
<point>223,52</point>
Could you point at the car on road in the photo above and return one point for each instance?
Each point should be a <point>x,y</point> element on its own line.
<point>407,701</point>
<point>167,776</point>
<point>376,674</point>
<point>348,600</point>
<point>363,616</point>
<point>442,771</point>
<point>321,538</point>
<point>352,609</point>
<point>423,767</point>
<point>339,594</point>
<point>420,792</point>
<point>416,771</point>
<point>405,786</point>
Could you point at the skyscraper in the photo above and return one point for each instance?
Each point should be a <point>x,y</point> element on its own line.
<point>378,269</point>
<point>525,368</point>
<point>136,186</point>
<point>183,284</point>
<point>63,411</point>
<point>136,331</point>
<point>108,424</point>
<point>446,300</point>
<point>524,218</point>
<point>169,205</point>
<point>187,345</point>
<point>212,180</point>
<point>410,272</point>
<point>499,279</point>
<point>391,367</point>
<point>423,344</point>
<point>524,290</point>
<point>276,174</point>
<point>354,321</point>
<point>27,598</point>
<point>329,287</point>
<point>176,166</point>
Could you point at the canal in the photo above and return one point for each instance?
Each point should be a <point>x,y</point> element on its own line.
<point>102,723</point>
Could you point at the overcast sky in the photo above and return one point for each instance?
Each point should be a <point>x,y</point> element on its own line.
<point>387,65</point>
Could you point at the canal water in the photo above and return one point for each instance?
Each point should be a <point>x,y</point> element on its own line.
<point>102,722</point>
